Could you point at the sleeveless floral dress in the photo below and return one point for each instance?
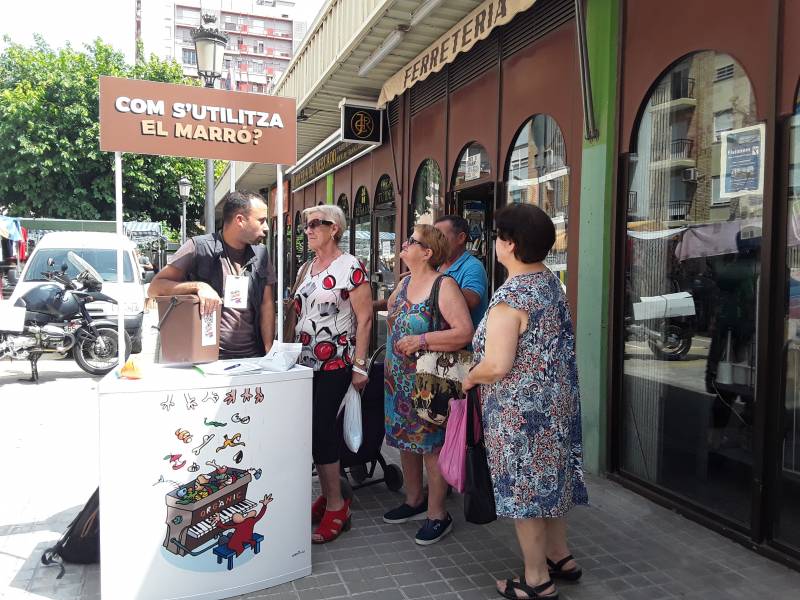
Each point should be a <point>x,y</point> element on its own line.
<point>404,429</point>
<point>532,417</point>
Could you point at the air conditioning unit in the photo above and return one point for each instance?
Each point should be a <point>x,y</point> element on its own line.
<point>690,174</point>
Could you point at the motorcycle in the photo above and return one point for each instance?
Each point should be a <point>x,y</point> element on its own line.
<point>56,320</point>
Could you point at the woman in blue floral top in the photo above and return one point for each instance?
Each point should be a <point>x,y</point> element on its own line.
<point>525,348</point>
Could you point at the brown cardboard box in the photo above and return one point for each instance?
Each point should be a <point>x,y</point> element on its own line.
<point>180,332</point>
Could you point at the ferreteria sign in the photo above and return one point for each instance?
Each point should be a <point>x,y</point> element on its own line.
<point>149,117</point>
<point>473,28</point>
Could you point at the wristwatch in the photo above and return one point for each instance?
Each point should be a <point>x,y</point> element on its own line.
<point>360,362</point>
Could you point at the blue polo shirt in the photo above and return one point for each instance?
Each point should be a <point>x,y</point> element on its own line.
<point>470,275</point>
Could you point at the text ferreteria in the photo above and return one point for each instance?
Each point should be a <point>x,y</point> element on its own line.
<point>474,28</point>
<point>462,37</point>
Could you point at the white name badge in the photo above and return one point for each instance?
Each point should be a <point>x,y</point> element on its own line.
<point>235,291</point>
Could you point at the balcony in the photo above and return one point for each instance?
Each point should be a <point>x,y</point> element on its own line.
<point>678,209</point>
<point>678,153</point>
<point>675,94</point>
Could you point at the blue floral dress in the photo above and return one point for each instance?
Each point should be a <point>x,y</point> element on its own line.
<point>532,417</point>
<point>404,429</point>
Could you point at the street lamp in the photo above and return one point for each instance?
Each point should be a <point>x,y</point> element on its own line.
<point>185,190</point>
<point>209,46</point>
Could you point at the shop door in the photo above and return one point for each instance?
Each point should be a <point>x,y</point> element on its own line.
<point>383,253</point>
<point>786,518</point>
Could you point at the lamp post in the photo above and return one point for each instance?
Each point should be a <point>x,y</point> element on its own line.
<point>209,45</point>
<point>185,190</point>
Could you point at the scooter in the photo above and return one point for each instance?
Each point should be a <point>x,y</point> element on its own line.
<point>56,320</point>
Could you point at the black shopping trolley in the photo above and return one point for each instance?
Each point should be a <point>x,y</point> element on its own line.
<point>360,466</point>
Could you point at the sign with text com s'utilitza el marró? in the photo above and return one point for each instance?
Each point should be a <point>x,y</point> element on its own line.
<point>149,117</point>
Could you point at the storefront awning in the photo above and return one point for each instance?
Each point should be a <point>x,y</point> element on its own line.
<point>470,30</point>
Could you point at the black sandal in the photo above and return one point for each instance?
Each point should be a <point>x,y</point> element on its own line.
<point>558,572</point>
<point>532,592</point>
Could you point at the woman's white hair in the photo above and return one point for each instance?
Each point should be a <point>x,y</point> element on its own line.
<point>331,212</point>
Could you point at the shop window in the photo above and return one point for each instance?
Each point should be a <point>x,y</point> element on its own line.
<point>299,241</point>
<point>786,527</point>
<point>384,234</point>
<point>384,256</point>
<point>473,165</point>
<point>287,253</point>
<point>538,174</point>
<point>426,201</point>
<point>691,280</point>
<point>361,226</point>
<point>344,243</point>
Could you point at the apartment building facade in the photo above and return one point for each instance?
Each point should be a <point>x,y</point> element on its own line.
<point>261,37</point>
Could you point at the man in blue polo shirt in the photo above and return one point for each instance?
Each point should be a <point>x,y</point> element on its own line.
<point>468,271</point>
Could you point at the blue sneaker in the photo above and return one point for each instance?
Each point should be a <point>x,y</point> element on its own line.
<point>405,513</point>
<point>434,530</point>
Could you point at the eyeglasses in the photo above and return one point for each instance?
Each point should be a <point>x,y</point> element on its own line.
<point>411,241</point>
<point>314,223</point>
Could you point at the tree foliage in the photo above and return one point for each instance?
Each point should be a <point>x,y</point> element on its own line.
<point>51,164</point>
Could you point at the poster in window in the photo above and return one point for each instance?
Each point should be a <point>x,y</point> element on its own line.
<point>742,156</point>
<point>473,170</point>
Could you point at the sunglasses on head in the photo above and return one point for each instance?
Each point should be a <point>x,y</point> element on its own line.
<point>314,223</point>
<point>411,241</point>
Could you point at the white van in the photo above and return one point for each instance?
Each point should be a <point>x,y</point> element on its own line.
<point>100,251</point>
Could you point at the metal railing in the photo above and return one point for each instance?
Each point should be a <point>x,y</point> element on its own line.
<point>677,209</point>
<point>682,87</point>
<point>675,150</point>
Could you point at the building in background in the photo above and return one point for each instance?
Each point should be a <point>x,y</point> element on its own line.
<point>262,37</point>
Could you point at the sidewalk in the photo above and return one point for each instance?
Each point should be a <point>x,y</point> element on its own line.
<point>628,547</point>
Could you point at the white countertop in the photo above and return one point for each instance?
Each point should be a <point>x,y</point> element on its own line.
<point>164,378</point>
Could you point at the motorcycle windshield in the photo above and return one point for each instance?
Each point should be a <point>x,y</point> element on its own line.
<point>82,265</point>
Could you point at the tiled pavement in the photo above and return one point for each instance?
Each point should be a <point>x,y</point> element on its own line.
<point>628,547</point>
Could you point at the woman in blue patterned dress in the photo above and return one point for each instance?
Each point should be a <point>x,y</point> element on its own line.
<point>409,323</point>
<point>528,380</point>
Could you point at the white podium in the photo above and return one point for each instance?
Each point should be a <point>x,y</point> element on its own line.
<point>186,462</point>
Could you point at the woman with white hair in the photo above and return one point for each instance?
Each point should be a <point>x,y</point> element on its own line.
<point>333,303</point>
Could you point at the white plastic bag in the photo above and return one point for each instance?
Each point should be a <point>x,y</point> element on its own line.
<point>353,434</point>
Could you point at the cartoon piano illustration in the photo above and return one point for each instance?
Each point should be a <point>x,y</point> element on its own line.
<point>212,511</point>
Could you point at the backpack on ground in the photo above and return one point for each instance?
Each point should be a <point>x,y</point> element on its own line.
<point>81,542</point>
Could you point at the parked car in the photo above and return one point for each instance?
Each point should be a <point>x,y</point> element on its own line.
<point>100,251</point>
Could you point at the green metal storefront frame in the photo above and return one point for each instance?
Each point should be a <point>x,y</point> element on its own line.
<point>598,174</point>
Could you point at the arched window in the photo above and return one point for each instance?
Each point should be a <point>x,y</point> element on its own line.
<point>384,233</point>
<point>361,226</point>
<point>472,165</point>
<point>384,192</point>
<point>426,200</point>
<point>537,173</point>
<point>344,243</point>
<point>299,240</point>
<point>694,205</point>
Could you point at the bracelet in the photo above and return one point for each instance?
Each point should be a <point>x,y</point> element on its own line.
<point>360,371</point>
<point>423,343</point>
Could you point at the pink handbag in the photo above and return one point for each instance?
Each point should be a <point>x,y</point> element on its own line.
<point>453,455</point>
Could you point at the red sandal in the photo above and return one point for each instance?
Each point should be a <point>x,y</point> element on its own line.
<point>334,522</point>
<point>318,509</point>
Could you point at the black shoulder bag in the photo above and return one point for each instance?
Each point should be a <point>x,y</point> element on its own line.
<point>479,507</point>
